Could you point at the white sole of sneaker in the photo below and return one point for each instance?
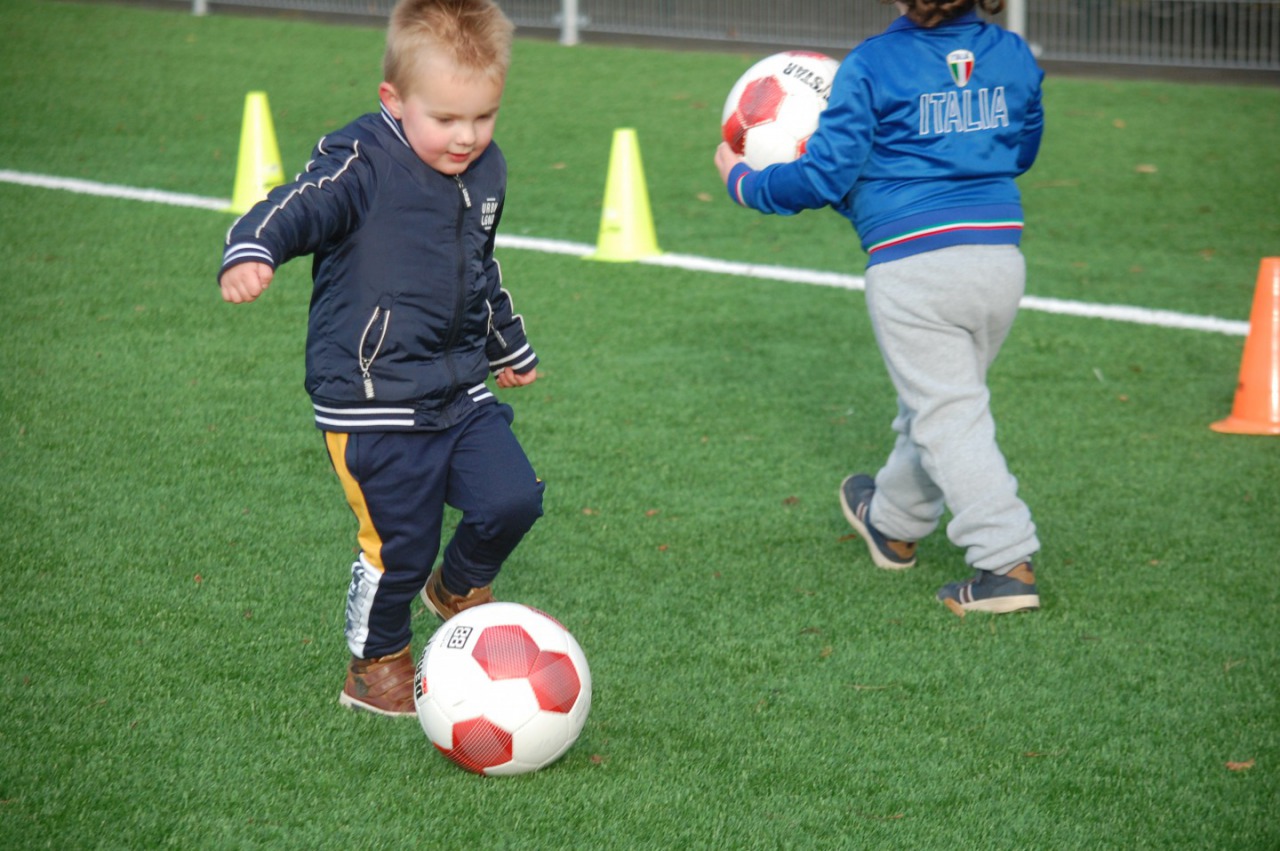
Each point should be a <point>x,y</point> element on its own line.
<point>995,605</point>
<point>350,702</point>
<point>861,528</point>
<point>431,607</point>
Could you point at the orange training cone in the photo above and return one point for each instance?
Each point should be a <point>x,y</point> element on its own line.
<point>626,223</point>
<point>258,169</point>
<point>1257,404</point>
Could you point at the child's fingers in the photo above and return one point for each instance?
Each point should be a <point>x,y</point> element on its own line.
<point>510,378</point>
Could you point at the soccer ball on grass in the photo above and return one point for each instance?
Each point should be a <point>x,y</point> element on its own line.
<point>502,689</point>
<point>773,109</point>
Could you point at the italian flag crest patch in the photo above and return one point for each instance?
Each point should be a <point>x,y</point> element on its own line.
<point>960,62</point>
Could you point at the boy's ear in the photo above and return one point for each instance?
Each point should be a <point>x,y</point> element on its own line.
<point>391,100</point>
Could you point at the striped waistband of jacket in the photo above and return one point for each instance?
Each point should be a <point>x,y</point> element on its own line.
<point>991,225</point>
<point>352,418</point>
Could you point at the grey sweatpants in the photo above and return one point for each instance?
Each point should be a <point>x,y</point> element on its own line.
<point>939,320</point>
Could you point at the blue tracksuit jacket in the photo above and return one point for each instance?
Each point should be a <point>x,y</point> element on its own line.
<point>920,143</point>
<point>408,313</point>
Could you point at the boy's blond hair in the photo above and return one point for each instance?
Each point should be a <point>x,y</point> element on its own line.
<point>473,34</point>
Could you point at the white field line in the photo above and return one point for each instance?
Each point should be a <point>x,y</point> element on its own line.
<point>1111,312</point>
<point>87,187</point>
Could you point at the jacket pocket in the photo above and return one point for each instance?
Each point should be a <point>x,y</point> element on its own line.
<point>371,340</point>
<point>493,329</point>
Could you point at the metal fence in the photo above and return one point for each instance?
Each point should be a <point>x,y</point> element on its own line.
<point>1234,34</point>
<point>1221,34</point>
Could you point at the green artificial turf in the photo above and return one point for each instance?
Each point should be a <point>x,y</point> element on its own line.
<point>177,547</point>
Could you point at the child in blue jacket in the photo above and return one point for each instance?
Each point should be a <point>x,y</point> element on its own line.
<point>409,317</point>
<point>927,126</point>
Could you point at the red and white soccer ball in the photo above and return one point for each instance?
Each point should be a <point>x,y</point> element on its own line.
<point>773,109</point>
<point>502,689</point>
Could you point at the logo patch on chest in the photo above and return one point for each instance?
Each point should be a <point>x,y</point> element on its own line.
<point>960,64</point>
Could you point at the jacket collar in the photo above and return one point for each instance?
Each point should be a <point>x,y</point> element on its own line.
<point>394,124</point>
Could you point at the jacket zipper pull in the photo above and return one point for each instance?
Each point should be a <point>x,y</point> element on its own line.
<point>493,329</point>
<point>462,187</point>
<point>367,363</point>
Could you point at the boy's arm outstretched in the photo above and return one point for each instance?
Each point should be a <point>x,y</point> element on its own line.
<point>295,219</point>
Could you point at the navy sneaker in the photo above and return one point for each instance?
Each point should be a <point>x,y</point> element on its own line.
<point>855,500</point>
<point>987,592</point>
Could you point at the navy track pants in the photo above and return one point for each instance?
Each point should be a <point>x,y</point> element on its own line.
<point>398,484</point>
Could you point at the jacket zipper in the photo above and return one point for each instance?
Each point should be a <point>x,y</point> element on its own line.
<point>455,324</point>
<point>493,329</point>
<point>366,363</point>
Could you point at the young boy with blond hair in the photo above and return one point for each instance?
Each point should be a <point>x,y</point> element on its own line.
<point>409,316</point>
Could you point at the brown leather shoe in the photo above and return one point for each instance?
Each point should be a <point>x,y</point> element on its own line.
<point>445,604</point>
<point>383,686</point>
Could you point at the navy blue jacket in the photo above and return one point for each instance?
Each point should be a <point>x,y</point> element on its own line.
<point>408,314</point>
<point>920,142</point>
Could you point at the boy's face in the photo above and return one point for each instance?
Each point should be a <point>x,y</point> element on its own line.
<point>448,114</point>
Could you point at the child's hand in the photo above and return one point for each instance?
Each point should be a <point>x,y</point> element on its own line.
<point>245,282</point>
<point>726,159</point>
<point>510,378</point>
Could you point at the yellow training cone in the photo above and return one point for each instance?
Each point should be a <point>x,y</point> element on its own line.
<point>258,169</point>
<point>626,223</point>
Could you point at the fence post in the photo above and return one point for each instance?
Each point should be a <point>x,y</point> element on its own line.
<point>1017,17</point>
<point>199,7</point>
<point>568,22</point>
